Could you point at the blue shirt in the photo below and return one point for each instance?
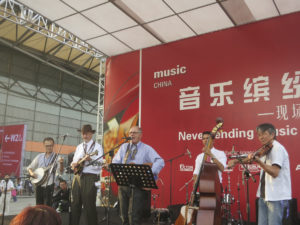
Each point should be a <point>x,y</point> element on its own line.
<point>144,154</point>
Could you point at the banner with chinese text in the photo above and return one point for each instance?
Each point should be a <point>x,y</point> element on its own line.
<point>12,144</point>
<point>247,75</point>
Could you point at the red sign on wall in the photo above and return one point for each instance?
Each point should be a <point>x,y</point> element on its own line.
<point>12,141</point>
<point>247,75</point>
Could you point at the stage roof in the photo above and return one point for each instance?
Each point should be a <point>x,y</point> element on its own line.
<point>77,33</point>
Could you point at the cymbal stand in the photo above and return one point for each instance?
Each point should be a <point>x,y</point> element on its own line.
<point>247,175</point>
<point>239,214</point>
<point>229,201</point>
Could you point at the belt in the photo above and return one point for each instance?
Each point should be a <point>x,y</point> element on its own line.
<point>89,174</point>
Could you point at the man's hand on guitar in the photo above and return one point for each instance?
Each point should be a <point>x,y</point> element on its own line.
<point>33,175</point>
<point>74,165</point>
<point>87,158</point>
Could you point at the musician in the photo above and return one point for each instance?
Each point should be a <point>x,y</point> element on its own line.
<point>274,189</point>
<point>135,152</point>
<point>44,192</point>
<point>213,155</point>
<point>84,190</point>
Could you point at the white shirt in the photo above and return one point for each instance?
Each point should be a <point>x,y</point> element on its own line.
<point>220,155</point>
<point>79,154</point>
<point>41,161</point>
<point>278,188</point>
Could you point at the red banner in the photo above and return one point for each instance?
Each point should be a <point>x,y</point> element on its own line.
<point>12,140</point>
<point>247,75</point>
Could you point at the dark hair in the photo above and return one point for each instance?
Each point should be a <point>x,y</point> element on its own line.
<point>48,139</point>
<point>266,127</point>
<point>36,215</point>
<point>63,181</point>
<point>206,132</point>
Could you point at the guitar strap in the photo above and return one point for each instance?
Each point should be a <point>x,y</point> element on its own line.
<point>91,148</point>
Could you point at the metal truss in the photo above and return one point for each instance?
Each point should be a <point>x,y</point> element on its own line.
<point>23,16</point>
<point>100,109</point>
<point>51,96</point>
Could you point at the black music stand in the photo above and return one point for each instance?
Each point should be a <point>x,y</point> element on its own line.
<point>133,175</point>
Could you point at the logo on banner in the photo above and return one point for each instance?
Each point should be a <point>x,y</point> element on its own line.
<point>170,72</point>
<point>298,167</point>
<point>185,168</point>
<point>13,138</point>
<point>178,70</point>
<point>250,167</point>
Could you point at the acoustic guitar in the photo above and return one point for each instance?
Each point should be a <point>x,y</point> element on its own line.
<point>78,169</point>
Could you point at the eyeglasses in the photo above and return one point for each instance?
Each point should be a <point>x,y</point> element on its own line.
<point>134,132</point>
<point>48,146</point>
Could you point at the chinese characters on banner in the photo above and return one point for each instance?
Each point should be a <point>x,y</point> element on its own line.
<point>255,90</point>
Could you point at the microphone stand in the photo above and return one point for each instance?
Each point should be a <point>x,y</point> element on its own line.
<point>4,200</point>
<point>247,175</point>
<point>186,186</point>
<point>171,169</point>
<point>68,169</point>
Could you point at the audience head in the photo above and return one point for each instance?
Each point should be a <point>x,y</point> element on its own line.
<point>63,185</point>
<point>36,215</point>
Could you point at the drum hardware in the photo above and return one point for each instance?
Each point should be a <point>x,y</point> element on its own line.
<point>239,214</point>
<point>161,216</point>
<point>227,200</point>
<point>154,197</point>
<point>186,186</point>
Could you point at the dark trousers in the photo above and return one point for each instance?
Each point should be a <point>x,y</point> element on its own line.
<point>44,195</point>
<point>131,205</point>
<point>84,194</point>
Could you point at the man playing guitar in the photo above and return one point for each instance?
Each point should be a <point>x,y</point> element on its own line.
<point>84,190</point>
<point>44,191</point>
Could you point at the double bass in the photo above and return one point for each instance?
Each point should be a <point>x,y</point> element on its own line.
<point>208,212</point>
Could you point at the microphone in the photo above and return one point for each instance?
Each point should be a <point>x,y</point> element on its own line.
<point>63,136</point>
<point>238,156</point>
<point>127,138</point>
<point>188,153</point>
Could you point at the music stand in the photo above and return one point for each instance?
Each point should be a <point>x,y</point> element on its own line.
<point>133,175</point>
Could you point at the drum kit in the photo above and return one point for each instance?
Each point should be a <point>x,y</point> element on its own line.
<point>160,215</point>
<point>227,201</point>
<point>108,191</point>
